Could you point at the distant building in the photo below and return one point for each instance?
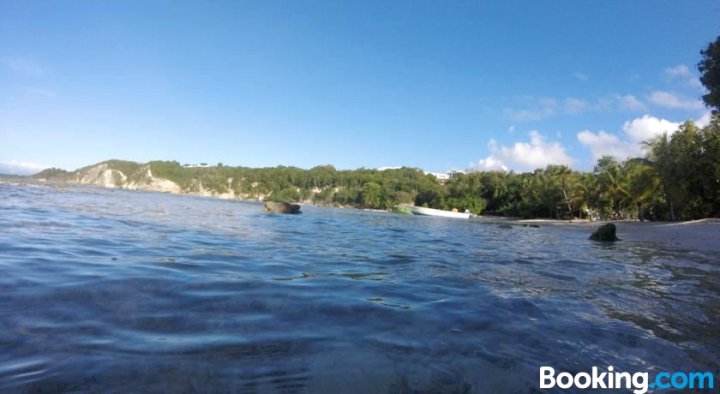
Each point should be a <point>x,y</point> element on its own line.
<point>443,177</point>
<point>454,173</point>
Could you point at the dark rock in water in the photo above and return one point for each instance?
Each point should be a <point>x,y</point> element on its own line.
<point>505,226</point>
<point>282,207</point>
<point>605,233</point>
<point>534,226</point>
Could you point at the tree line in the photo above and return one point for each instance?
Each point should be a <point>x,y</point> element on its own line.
<point>678,179</point>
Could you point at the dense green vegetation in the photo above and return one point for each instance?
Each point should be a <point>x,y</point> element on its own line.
<point>709,67</point>
<point>322,185</point>
<point>679,179</point>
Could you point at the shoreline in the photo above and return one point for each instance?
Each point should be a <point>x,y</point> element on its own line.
<point>702,235</point>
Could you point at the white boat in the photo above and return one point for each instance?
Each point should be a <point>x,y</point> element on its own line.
<point>438,212</point>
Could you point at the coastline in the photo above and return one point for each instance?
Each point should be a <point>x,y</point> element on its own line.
<point>701,235</point>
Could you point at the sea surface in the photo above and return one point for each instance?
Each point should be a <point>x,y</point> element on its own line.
<point>116,291</point>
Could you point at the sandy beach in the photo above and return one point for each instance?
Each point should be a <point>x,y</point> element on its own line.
<point>696,235</point>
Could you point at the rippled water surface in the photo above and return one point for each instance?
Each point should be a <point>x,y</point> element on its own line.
<point>119,291</point>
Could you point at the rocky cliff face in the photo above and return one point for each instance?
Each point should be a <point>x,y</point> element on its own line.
<point>104,175</point>
<point>101,175</point>
<point>150,183</point>
<point>206,182</point>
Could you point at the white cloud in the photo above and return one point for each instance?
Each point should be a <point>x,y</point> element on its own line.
<point>634,133</point>
<point>695,83</point>
<point>603,143</point>
<point>524,156</point>
<point>670,100</point>
<point>22,65</point>
<point>679,71</point>
<point>489,163</point>
<point>647,127</point>
<point>704,120</point>
<point>14,167</point>
<point>630,142</point>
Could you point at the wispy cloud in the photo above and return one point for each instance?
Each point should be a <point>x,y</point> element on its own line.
<point>539,108</point>
<point>22,65</point>
<point>580,76</point>
<point>523,155</point>
<point>572,105</point>
<point>629,102</point>
<point>682,73</point>
<point>670,100</point>
<point>679,71</point>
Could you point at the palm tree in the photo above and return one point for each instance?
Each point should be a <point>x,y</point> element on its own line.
<point>613,185</point>
<point>582,194</point>
<point>643,183</point>
<point>659,156</point>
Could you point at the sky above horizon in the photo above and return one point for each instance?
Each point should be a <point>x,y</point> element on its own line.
<point>436,85</point>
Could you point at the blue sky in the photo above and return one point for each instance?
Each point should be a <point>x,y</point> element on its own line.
<point>433,84</point>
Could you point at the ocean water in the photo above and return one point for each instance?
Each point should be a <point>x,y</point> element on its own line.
<point>118,291</point>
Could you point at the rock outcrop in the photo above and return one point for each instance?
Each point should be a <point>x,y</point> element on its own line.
<point>282,207</point>
<point>101,175</point>
<point>605,233</point>
<point>148,182</point>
